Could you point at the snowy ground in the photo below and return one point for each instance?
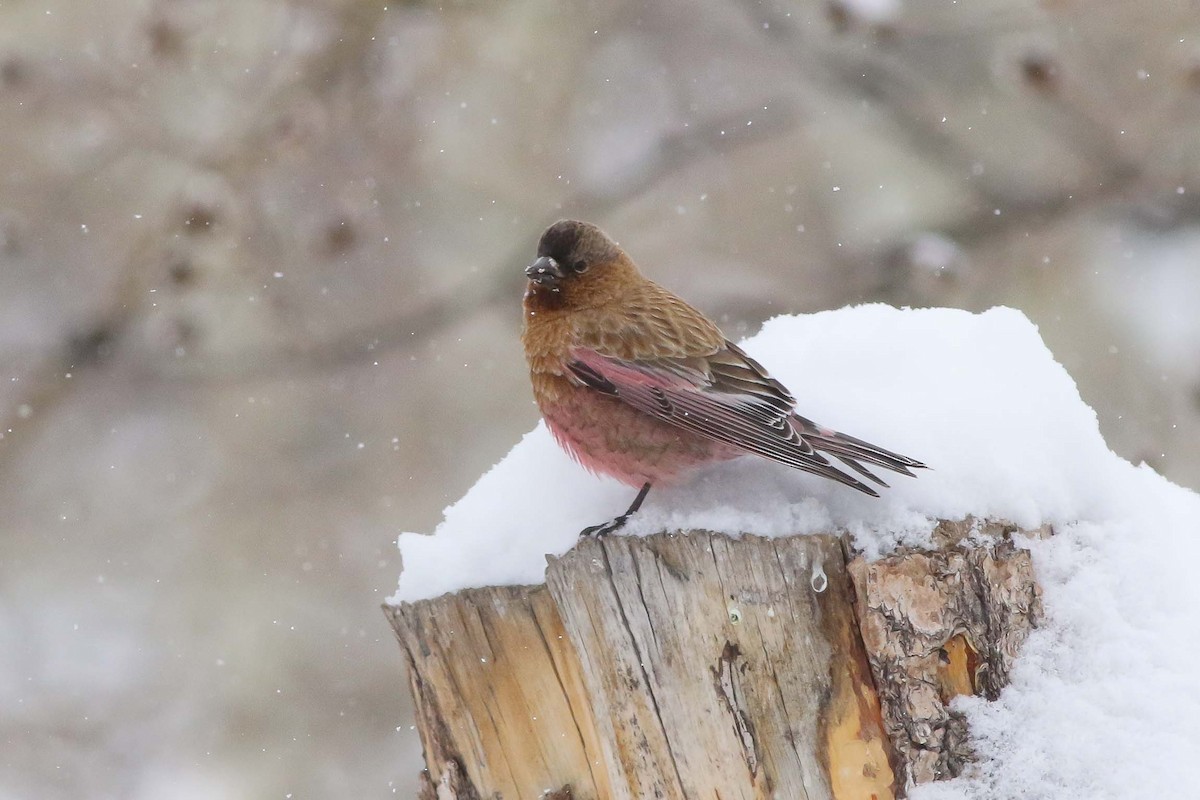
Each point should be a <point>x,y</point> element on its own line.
<point>1100,704</point>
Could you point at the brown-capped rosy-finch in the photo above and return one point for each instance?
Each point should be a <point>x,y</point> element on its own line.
<point>635,383</point>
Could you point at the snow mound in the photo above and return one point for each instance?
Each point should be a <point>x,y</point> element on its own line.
<point>1101,702</point>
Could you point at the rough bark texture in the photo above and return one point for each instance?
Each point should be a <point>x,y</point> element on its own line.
<point>939,624</point>
<point>698,666</point>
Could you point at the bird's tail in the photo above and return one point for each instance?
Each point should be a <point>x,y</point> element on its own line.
<point>852,452</point>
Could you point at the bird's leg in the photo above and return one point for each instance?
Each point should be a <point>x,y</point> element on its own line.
<point>617,523</point>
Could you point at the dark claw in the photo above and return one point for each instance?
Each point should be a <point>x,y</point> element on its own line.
<point>605,528</point>
<point>617,523</point>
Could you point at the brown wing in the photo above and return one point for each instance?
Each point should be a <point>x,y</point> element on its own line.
<point>666,359</point>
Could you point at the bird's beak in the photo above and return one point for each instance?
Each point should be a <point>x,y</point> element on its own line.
<point>544,270</point>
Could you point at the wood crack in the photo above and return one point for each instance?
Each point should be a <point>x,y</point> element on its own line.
<point>725,682</point>
<point>566,693</point>
<point>632,637</point>
<point>491,689</point>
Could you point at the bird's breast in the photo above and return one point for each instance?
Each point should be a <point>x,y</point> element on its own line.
<point>608,436</point>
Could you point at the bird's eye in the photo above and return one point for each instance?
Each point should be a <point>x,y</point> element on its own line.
<point>580,266</point>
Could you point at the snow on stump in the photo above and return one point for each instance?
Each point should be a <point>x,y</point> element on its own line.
<point>821,657</point>
<point>699,665</point>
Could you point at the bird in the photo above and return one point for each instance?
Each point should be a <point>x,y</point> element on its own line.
<point>635,383</point>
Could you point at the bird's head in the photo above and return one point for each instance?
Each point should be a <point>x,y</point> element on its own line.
<point>577,263</point>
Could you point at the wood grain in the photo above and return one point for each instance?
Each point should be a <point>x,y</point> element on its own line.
<point>700,666</point>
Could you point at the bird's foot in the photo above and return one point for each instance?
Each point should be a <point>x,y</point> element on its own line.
<point>605,528</point>
<point>615,524</point>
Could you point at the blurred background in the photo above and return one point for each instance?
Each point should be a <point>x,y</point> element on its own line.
<point>260,274</point>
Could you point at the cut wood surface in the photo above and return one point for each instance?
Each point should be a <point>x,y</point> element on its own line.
<point>700,666</point>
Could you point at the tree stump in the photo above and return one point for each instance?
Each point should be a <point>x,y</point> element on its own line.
<point>700,666</point>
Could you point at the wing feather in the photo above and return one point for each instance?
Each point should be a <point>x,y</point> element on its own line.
<point>733,401</point>
<point>668,360</point>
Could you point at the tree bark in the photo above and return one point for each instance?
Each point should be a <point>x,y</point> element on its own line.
<point>699,666</point>
<point>943,623</point>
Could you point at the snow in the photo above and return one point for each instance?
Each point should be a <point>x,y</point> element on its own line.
<point>1100,704</point>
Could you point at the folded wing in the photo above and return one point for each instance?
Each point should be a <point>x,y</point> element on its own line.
<point>727,396</point>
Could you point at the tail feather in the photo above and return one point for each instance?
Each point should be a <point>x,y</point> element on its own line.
<point>861,470</point>
<point>885,459</point>
<point>850,451</point>
<point>833,473</point>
